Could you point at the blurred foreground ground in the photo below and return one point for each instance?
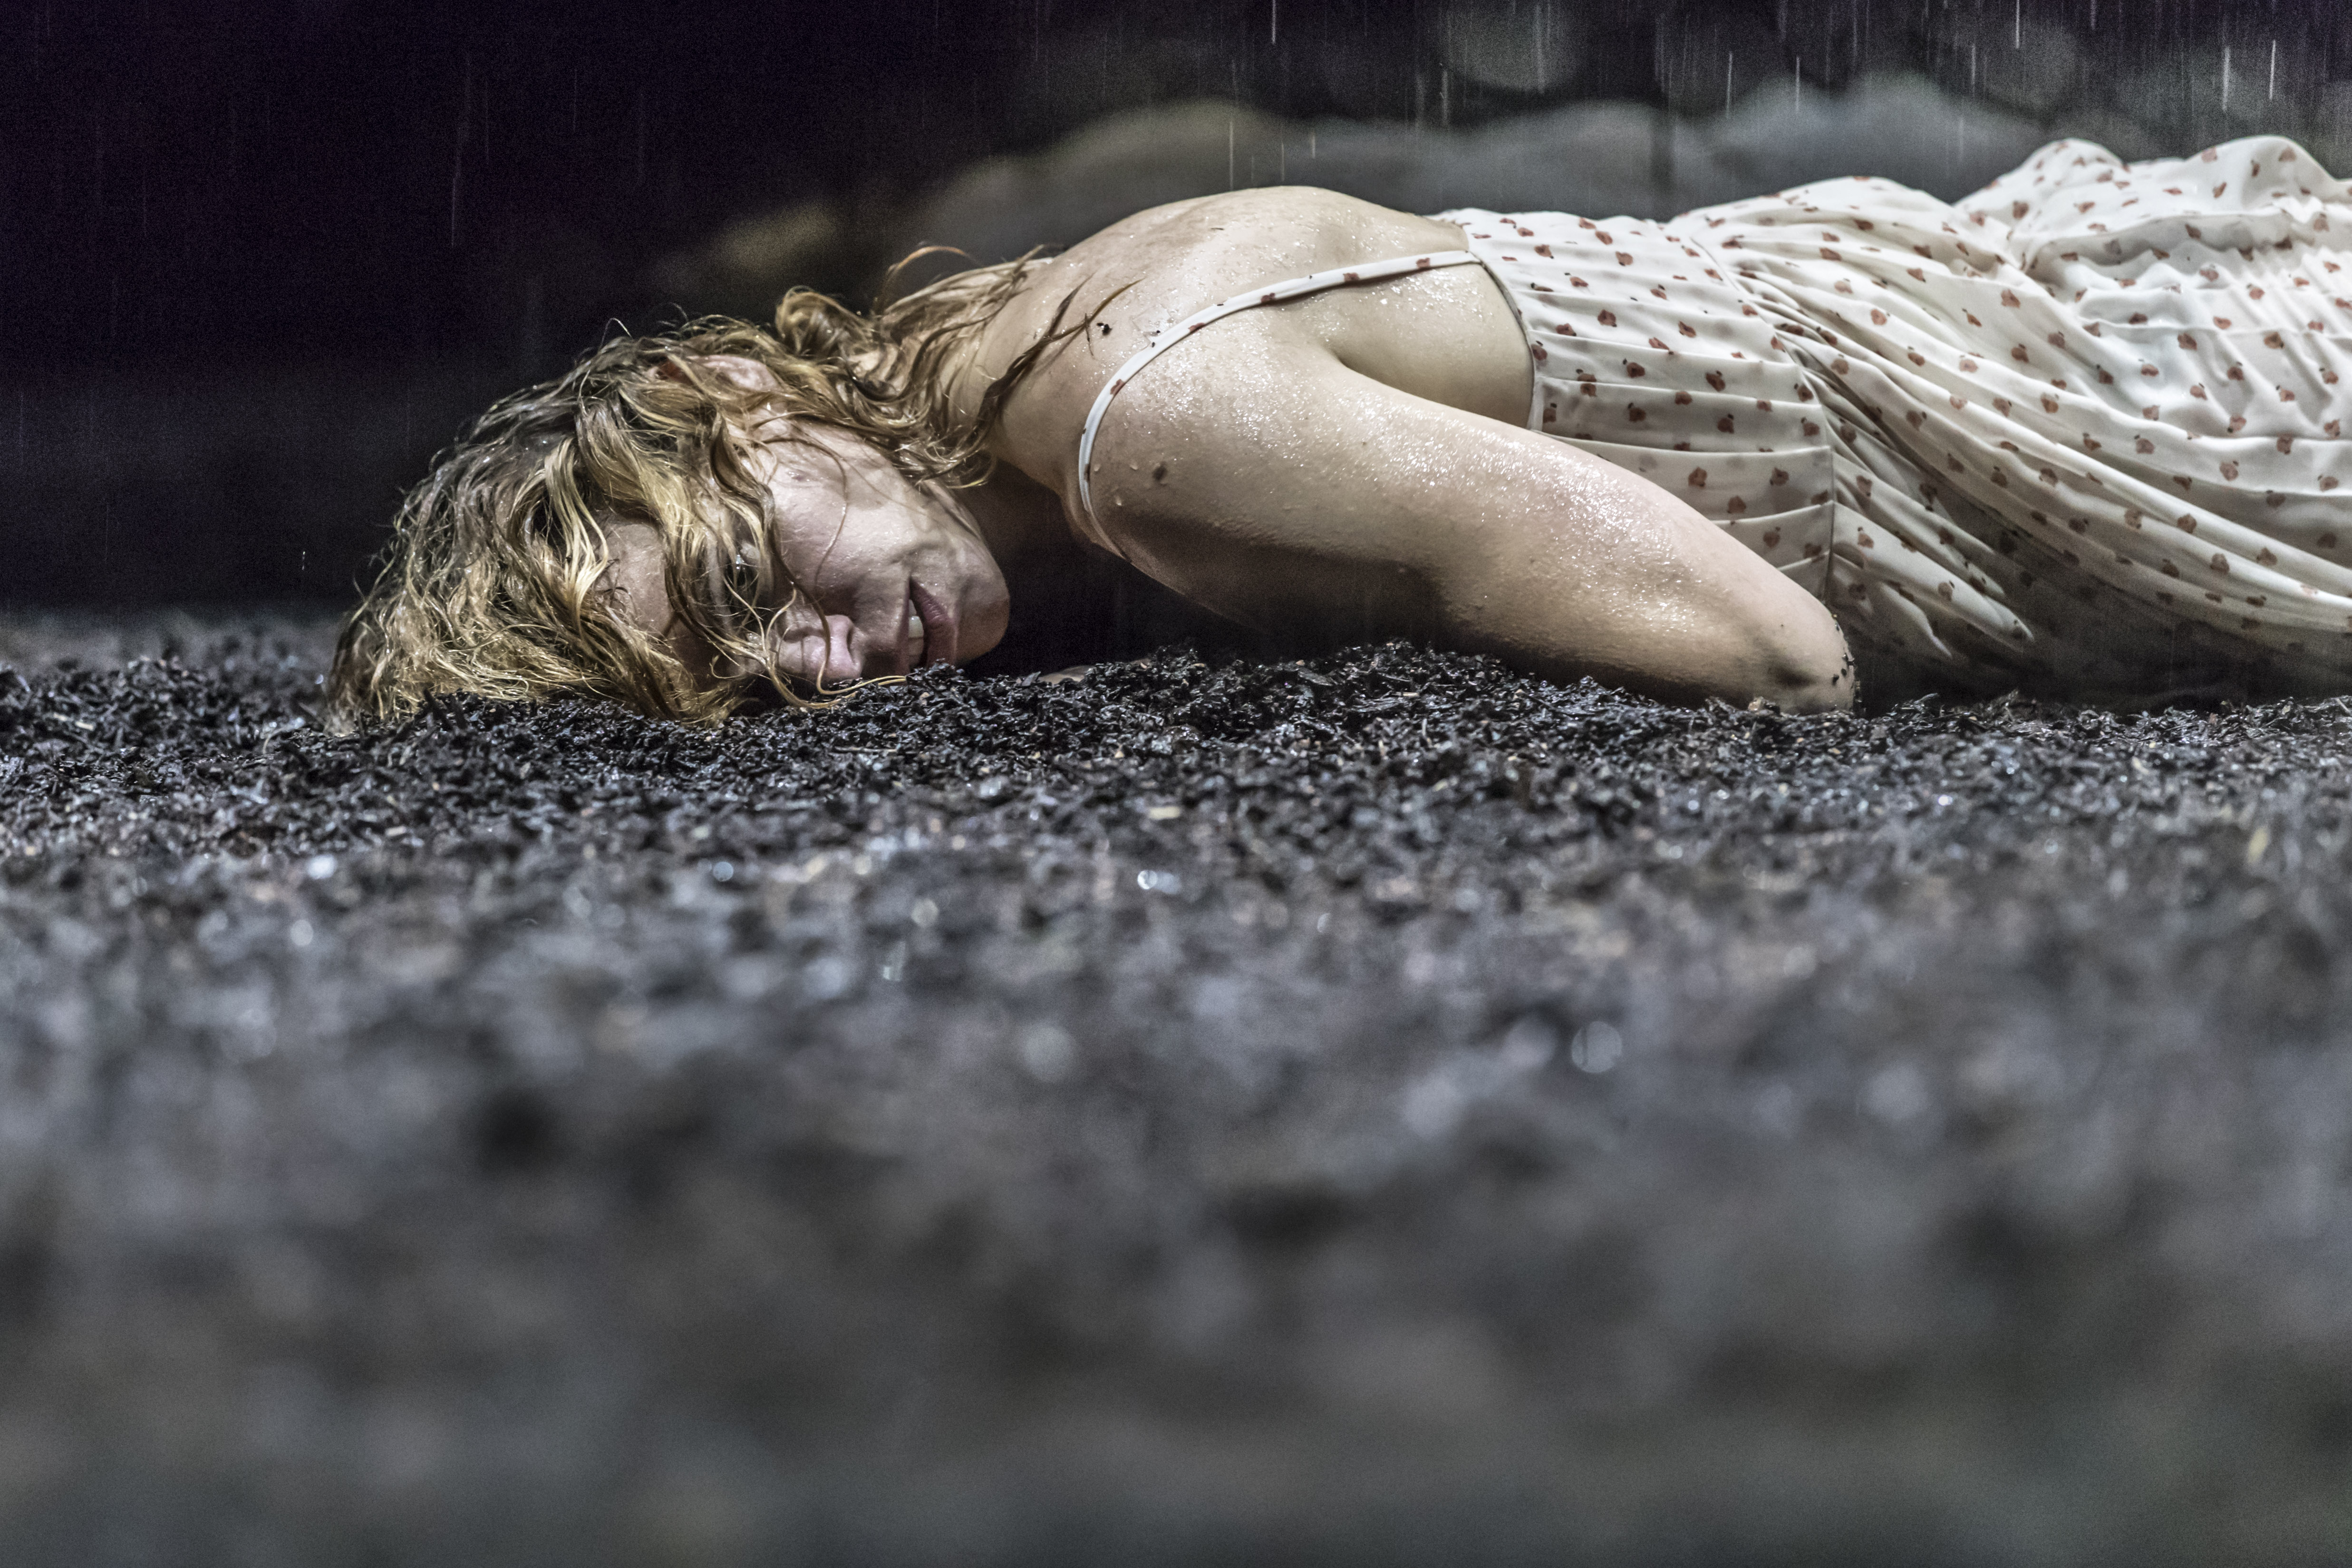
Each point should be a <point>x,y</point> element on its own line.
<point>1378,1111</point>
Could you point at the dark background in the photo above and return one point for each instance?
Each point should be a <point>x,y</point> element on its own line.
<point>258,259</point>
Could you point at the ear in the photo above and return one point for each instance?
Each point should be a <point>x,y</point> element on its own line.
<point>634,574</point>
<point>737,370</point>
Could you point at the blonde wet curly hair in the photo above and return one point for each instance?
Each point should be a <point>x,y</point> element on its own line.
<point>496,579</point>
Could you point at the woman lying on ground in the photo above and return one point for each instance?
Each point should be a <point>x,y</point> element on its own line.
<point>2077,435</point>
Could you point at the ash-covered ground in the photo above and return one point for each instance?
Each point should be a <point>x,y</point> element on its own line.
<point>1381,1110</point>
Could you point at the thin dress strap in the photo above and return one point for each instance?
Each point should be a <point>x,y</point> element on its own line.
<point>1312,283</point>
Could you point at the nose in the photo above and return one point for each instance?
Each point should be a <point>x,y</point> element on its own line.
<point>842,665</point>
<point>819,652</point>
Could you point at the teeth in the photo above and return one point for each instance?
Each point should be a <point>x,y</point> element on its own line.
<point>914,635</point>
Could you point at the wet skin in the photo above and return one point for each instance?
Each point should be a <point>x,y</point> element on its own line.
<point>1352,465</point>
<point>891,574</point>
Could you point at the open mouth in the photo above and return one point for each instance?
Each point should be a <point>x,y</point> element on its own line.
<point>914,636</point>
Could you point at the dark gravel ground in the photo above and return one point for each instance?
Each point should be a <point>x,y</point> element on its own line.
<point>1376,1110</point>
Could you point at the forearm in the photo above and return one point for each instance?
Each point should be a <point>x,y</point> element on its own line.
<point>1592,571</point>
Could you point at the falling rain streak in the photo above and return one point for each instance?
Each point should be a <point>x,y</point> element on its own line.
<point>457,159</point>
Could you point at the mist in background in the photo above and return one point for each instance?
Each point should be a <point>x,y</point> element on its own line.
<point>259,260</point>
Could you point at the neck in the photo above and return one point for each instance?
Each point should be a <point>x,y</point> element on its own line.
<point>964,378</point>
<point>975,366</point>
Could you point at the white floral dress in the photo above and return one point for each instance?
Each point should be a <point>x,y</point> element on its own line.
<point>2081,433</point>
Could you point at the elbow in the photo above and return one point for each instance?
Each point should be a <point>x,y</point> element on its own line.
<point>1810,692</point>
<point>1802,664</point>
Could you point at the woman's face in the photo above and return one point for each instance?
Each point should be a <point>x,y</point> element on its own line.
<point>891,574</point>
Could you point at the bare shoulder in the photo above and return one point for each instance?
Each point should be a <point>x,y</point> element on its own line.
<point>1161,266</point>
<point>1166,262</point>
<point>1352,463</point>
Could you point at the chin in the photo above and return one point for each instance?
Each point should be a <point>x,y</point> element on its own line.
<point>980,631</point>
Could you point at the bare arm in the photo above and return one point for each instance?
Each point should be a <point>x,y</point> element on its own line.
<point>1270,482</point>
